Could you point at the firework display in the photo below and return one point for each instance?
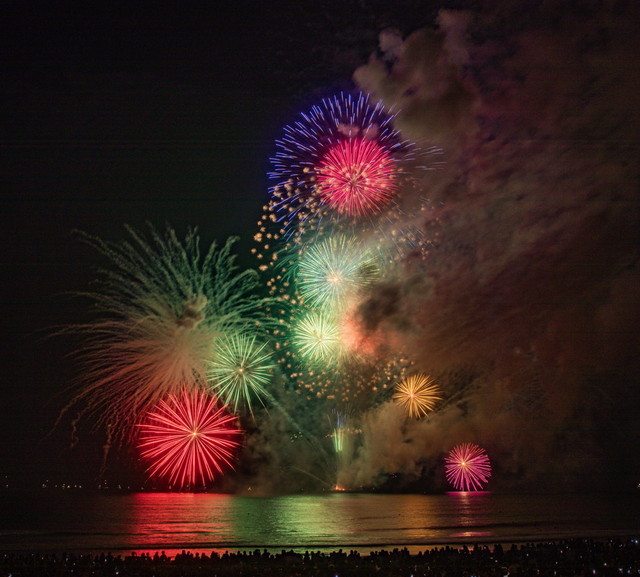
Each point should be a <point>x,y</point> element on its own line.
<point>188,439</point>
<point>467,467</point>
<point>160,307</point>
<point>187,349</point>
<point>438,251</point>
<point>418,394</point>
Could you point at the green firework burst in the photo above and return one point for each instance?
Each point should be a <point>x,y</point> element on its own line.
<point>240,370</point>
<point>333,269</point>
<point>316,337</point>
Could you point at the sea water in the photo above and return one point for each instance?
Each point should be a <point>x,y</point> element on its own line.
<point>78,521</point>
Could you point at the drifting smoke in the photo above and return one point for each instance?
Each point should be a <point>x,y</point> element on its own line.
<point>527,307</point>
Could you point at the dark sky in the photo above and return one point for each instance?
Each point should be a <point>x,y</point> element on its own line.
<point>167,112</point>
<point>123,114</point>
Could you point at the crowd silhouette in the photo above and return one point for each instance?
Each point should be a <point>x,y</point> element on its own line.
<point>570,558</point>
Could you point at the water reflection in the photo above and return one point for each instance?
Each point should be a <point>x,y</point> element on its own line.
<point>292,520</point>
<point>335,520</point>
<point>164,519</point>
<point>473,511</point>
<point>175,521</point>
<point>340,519</point>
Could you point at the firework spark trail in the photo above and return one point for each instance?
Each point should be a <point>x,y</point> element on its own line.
<point>338,427</point>
<point>467,467</point>
<point>188,439</point>
<point>344,436</point>
<point>161,306</point>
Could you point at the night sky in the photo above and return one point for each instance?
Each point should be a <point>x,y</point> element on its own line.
<point>115,116</point>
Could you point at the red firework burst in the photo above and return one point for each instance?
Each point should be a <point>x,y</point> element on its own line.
<point>188,439</point>
<point>467,467</point>
<point>357,177</point>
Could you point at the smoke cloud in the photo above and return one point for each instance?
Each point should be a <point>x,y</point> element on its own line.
<point>527,309</point>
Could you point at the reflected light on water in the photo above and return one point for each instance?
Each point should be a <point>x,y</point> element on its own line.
<point>176,519</point>
<point>472,509</point>
<point>205,522</point>
<point>293,520</point>
<point>340,519</point>
<point>219,522</point>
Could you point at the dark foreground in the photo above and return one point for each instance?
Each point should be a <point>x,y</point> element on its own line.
<point>572,557</point>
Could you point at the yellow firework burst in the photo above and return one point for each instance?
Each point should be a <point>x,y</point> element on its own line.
<point>418,394</point>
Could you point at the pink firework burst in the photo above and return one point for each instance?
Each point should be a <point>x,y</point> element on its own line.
<point>467,467</point>
<point>341,160</point>
<point>188,439</point>
<point>357,177</point>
